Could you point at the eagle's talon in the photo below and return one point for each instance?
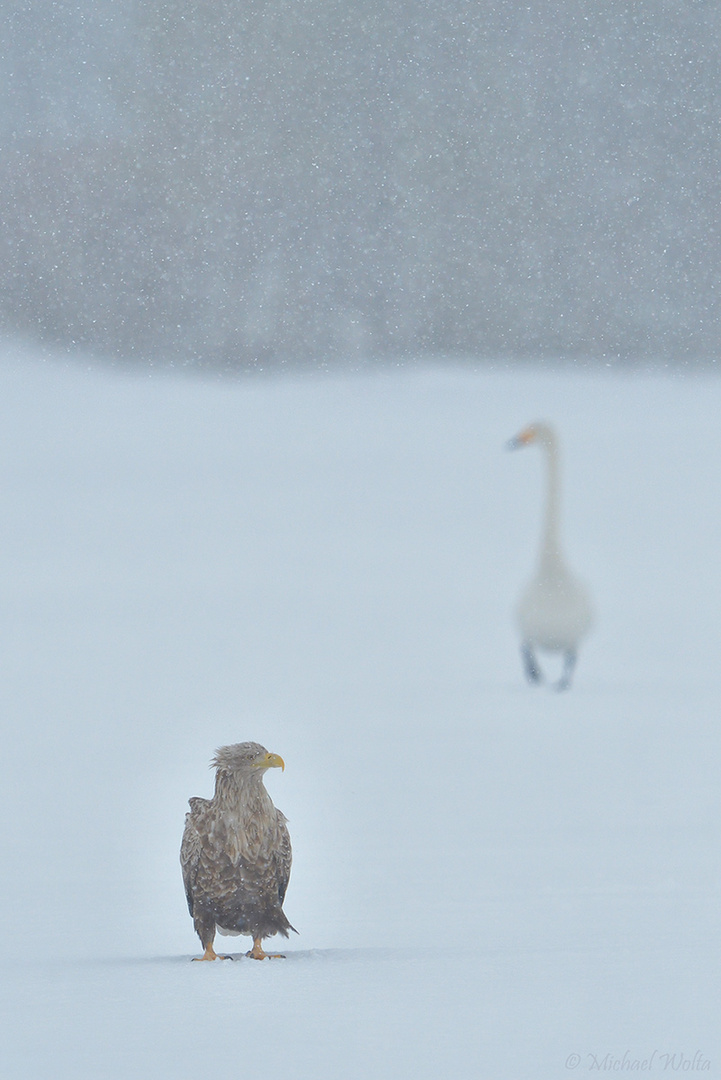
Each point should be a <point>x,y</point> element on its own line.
<point>258,952</point>
<point>211,954</point>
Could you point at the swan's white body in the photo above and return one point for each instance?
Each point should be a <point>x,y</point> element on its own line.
<point>554,612</point>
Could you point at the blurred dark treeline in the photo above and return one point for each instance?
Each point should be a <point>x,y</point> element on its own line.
<point>245,182</point>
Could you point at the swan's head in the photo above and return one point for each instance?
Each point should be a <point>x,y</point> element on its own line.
<point>534,433</point>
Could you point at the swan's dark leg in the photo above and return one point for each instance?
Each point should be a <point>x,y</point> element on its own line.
<point>530,664</point>
<point>569,663</point>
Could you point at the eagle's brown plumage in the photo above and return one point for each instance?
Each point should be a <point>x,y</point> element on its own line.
<point>236,852</point>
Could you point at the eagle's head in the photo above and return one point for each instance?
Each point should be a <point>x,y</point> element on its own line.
<point>248,758</point>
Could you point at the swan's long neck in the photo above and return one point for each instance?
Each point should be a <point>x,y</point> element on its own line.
<point>550,546</point>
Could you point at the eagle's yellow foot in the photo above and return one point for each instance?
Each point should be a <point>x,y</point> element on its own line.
<point>257,953</point>
<point>211,954</point>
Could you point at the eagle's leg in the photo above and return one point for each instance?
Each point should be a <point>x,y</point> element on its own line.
<point>257,952</point>
<point>205,929</point>
<point>211,954</point>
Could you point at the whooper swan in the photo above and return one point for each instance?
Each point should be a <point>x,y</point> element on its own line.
<point>554,612</point>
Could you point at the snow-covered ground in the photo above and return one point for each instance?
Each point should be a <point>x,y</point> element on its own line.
<point>489,879</point>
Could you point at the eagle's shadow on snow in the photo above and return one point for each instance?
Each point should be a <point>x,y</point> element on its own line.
<point>292,956</point>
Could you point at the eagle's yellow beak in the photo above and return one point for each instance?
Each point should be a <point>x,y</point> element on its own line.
<point>269,761</point>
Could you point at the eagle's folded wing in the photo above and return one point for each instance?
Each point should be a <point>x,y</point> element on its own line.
<point>190,850</point>
<point>284,857</point>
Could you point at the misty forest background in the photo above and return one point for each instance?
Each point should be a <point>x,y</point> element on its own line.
<point>243,182</point>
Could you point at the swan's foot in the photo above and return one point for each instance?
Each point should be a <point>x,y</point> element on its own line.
<point>211,954</point>
<point>530,664</point>
<point>569,663</point>
<point>257,952</point>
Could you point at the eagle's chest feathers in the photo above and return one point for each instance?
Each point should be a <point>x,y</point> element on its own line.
<point>244,826</point>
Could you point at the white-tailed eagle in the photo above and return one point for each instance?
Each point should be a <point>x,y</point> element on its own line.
<point>236,853</point>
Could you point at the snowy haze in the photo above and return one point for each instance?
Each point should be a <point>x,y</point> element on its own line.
<point>488,878</point>
<point>256,181</point>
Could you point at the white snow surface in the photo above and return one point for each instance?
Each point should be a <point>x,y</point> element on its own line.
<point>489,878</point>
